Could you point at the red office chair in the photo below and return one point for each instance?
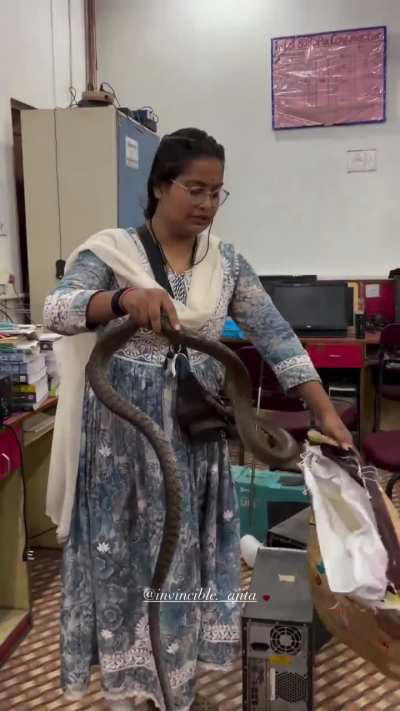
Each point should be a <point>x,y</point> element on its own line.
<point>272,395</point>
<point>288,410</point>
<point>382,448</point>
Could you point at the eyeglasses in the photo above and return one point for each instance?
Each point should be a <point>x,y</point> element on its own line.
<point>199,195</point>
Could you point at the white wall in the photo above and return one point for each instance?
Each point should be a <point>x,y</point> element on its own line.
<point>32,34</point>
<point>206,63</point>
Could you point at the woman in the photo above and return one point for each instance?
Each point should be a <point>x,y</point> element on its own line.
<point>116,523</point>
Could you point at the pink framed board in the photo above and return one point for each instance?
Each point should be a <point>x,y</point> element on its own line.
<point>327,79</point>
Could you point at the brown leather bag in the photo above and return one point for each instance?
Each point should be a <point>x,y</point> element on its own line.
<point>203,417</point>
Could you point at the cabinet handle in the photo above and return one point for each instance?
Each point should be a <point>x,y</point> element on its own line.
<point>335,355</point>
<point>8,461</point>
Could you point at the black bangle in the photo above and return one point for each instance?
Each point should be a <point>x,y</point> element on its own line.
<point>116,307</point>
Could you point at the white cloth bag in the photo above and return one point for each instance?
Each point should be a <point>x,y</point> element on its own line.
<point>353,555</point>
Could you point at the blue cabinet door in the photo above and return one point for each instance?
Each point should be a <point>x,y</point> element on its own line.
<point>136,149</point>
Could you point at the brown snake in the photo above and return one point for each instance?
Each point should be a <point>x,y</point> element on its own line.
<point>255,434</point>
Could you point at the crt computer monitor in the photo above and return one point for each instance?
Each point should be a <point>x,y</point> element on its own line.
<point>315,307</point>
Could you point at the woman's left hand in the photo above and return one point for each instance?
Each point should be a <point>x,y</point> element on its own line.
<point>332,426</point>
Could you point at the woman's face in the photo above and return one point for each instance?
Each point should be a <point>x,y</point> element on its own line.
<point>189,203</point>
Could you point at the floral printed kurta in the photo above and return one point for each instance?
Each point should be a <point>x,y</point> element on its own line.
<point>118,513</point>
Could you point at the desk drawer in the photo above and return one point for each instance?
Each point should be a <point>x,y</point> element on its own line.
<point>9,452</point>
<point>336,355</point>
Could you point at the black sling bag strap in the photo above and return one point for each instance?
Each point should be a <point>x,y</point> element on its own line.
<point>201,416</point>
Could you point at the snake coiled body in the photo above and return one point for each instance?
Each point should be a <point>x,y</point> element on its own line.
<point>255,434</point>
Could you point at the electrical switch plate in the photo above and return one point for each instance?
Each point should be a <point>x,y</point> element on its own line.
<point>361,161</point>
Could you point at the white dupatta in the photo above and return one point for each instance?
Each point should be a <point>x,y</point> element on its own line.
<point>118,250</point>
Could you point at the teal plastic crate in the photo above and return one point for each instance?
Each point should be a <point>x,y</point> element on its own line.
<point>277,496</point>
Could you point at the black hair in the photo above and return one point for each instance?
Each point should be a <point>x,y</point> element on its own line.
<point>175,151</point>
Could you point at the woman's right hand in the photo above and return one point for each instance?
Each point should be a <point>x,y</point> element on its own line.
<point>146,306</point>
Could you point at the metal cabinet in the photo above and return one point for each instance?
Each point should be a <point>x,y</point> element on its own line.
<point>85,170</point>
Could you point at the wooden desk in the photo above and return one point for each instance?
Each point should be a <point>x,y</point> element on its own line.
<point>18,417</point>
<point>356,355</point>
<point>371,339</point>
<point>15,603</point>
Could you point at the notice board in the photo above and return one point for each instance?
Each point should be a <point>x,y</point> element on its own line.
<point>330,78</point>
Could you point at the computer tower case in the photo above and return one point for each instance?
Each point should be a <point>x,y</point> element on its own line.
<point>277,634</point>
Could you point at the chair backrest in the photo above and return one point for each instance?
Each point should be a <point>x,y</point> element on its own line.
<point>388,381</point>
<point>272,395</point>
<point>390,337</point>
<point>257,368</point>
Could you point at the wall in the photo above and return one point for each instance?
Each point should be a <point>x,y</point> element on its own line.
<point>35,68</point>
<point>293,206</point>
